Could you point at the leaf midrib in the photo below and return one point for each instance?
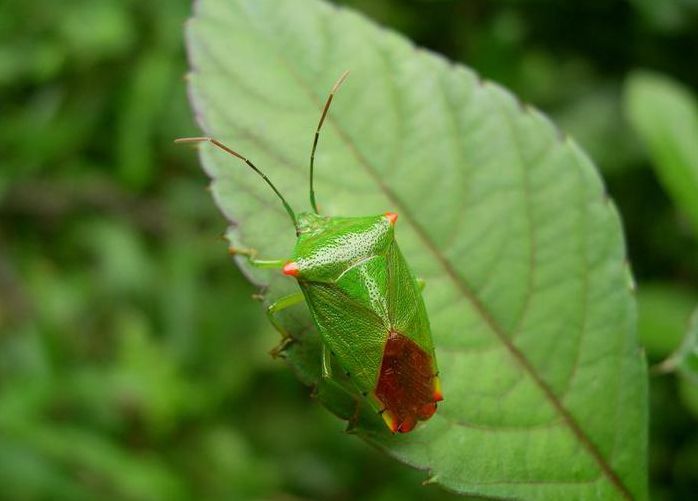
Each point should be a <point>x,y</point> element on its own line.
<point>467,292</point>
<point>459,281</point>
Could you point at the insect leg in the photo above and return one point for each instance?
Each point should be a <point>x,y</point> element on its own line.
<point>335,395</point>
<point>276,307</point>
<point>326,363</point>
<point>268,263</point>
<point>251,255</point>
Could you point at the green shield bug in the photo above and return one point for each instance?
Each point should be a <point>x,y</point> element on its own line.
<point>364,300</point>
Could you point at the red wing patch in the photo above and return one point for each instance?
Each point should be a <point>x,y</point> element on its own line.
<point>407,386</point>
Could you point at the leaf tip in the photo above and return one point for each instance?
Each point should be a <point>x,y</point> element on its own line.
<point>563,136</point>
<point>432,479</point>
<point>519,103</point>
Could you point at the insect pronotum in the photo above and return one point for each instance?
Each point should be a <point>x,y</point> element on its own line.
<point>363,298</point>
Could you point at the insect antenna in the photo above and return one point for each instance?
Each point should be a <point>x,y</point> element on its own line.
<point>335,88</point>
<point>218,144</point>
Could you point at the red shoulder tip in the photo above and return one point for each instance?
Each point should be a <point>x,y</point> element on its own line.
<point>291,269</point>
<point>392,217</point>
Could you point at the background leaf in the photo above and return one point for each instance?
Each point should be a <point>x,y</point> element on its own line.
<point>663,312</point>
<point>685,359</point>
<point>684,362</point>
<point>688,352</point>
<point>665,115</point>
<point>508,222</point>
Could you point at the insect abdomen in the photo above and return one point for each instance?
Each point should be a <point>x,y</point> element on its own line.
<point>407,384</point>
<point>373,318</point>
<point>370,313</point>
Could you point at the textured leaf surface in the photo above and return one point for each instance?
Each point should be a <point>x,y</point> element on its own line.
<point>665,115</point>
<point>508,222</point>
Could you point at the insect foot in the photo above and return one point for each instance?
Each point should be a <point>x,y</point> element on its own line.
<point>278,350</point>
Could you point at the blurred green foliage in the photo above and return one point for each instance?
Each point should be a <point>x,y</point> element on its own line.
<point>665,115</point>
<point>133,361</point>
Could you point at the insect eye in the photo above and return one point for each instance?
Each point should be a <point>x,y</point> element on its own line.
<point>392,217</point>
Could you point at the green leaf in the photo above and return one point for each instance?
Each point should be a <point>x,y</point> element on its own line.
<point>663,310</point>
<point>665,16</point>
<point>665,115</point>
<point>684,361</point>
<point>685,358</point>
<point>688,390</point>
<point>507,221</point>
<point>688,352</point>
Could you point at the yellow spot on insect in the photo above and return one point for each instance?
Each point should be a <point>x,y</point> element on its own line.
<point>390,420</point>
<point>438,394</point>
